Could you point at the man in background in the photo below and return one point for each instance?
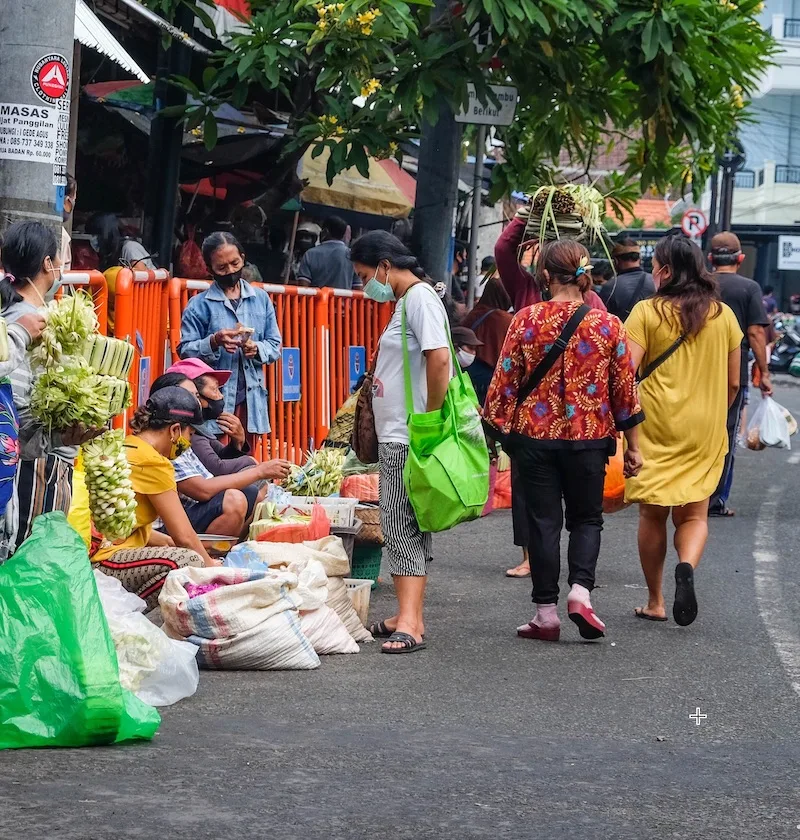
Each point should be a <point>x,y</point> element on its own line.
<point>632,283</point>
<point>329,263</point>
<point>769,300</point>
<point>460,256</point>
<point>744,298</point>
<point>70,197</point>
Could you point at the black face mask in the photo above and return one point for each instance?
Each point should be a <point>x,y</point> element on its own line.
<point>213,409</point>
<point>228,281</point>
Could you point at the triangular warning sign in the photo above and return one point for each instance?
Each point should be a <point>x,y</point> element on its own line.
<point>54,75</point>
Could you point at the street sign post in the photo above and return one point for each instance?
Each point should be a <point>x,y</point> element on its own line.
<point>694,223</point>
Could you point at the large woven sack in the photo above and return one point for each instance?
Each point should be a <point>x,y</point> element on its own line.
<point>320,624</point>
<point>250,622</point>
<point>339,600</point>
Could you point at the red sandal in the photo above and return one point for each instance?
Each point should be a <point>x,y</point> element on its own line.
<point>589,625</point>
<point>544,634</point>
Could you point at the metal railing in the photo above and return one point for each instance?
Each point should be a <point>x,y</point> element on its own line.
<point>787,174</point>
<point>745,179</point>
<point>760,177</point>
<point>791,28</point>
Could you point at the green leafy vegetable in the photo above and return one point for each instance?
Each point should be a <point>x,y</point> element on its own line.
<point>112,500</point>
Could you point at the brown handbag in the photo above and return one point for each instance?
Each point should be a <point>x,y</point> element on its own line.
<point>365,439</point>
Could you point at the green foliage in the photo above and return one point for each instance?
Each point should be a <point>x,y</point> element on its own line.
<point>668,77</point>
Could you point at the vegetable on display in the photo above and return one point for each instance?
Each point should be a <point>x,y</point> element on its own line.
<point>321,475</point>
<point>112,500</point>
<point>81,377</point>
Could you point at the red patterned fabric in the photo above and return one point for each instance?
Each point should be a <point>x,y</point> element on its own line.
<point>590,392</point>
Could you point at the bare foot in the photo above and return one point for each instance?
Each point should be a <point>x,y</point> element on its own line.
<point>521,571</point>
<point>652,613</point>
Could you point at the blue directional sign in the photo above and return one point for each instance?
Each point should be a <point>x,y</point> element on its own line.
<point>290,369</point>
<point>357,365</point>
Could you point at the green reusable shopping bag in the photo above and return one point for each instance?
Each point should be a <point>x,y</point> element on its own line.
<point>59,680</point>
<point>447,471</point>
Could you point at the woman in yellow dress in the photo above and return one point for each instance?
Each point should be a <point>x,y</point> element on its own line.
<point>686,345</point>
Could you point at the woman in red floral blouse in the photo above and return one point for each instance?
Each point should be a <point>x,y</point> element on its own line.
<point>563,433</point>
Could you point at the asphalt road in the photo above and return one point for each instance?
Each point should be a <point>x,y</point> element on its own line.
<point>485,735</point>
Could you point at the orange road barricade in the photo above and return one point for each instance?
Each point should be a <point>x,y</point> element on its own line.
<point>95,283</point>
<point>318,329</point>
<point>356,324</point>
<point>141,308</point>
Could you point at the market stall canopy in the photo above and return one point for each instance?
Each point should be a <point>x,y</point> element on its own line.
<point>241,137</point>
<point>90,32</point>
<point>387,192</point>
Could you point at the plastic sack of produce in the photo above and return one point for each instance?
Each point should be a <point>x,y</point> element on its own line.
<point>361,487</point>
<point>296,532</point>
<point>319,622</point>
<point>59,683</point>
<point>249,621</point>
<point>502,490</point>
<point>614,485</point>
<point>157,669</point>
<point>768,426</point>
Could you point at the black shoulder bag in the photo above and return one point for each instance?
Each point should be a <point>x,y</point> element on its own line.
<point>541,370</point>
<point>656,363</point>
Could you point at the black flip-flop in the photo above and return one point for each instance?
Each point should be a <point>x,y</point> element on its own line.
<point>410,644</point>
<point>640,613</point>
<point>722,512</point>
<point>684,609</point>
<point>380,630</point>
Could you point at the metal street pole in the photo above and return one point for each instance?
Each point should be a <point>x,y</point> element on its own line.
<point>36,44</point>
<point>477,187</point>
<point>166,144</point>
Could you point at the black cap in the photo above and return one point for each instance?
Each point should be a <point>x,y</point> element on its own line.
<point>175,405</point>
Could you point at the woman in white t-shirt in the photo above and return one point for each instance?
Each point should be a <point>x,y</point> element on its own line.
<point>391,272</point>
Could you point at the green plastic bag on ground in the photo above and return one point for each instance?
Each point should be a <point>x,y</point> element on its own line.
<point>59,681</point>
<point>447,471</point>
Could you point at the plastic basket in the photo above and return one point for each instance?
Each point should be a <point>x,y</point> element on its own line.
<point>341,512</point>
<point>359,592</point>
<point>348,536</point>
<point>367,563</point>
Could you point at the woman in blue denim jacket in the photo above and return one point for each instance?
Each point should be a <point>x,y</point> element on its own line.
<point>209,332</point>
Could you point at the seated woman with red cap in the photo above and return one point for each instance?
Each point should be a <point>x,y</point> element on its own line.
<point>220,504</point>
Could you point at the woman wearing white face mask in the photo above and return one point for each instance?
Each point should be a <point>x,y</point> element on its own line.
<point>44,476</point>
<point>466,343</point>
<point>390,272</point>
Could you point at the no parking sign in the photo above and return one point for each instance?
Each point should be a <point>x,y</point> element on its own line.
<point>694,223</point>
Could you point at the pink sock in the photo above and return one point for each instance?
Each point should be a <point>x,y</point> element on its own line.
<point>581,594</point>
<point>546,616</point>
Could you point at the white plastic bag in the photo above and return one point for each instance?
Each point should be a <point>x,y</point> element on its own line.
<point>768,426</point>
<point>158,670</point>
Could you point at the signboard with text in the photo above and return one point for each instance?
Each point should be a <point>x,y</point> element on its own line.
<point>501,113</point>
<point>789,253</point>
<point>290,374</point>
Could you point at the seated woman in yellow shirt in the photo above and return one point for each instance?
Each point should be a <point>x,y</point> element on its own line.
<point>161,430</point>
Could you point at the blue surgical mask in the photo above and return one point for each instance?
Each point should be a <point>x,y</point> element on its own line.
<point>57,281</point>
<point>377,291</point>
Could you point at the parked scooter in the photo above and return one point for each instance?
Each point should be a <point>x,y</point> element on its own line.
<point>784,350</point>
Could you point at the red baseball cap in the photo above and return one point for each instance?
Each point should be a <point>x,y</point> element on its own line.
<point>194,368</point>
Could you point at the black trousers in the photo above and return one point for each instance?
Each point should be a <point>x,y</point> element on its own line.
<point>719,499</point>
<point>575,478</point>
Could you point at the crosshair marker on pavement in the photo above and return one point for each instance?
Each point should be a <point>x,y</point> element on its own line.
<point>698,716</point>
